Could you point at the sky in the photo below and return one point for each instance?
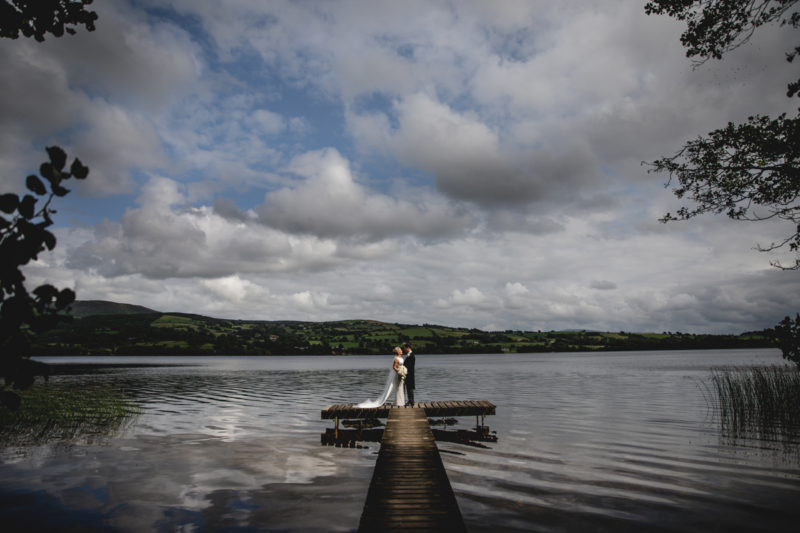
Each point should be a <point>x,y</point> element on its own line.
<point>473,164</point>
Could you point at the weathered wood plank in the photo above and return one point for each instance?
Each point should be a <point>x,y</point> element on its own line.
<point>410,489</point>
<point>431,409</point>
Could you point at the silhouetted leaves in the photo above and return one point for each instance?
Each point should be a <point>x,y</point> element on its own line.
<point>35,184</point>
<point>22,238</point>
<point>49,240</point>
<point>78,170</point>
<point>57,157</point>
<point>9,203</point>
<point>60,191</point>
<point>788,333</point>
<point>49,173</point>
<point>27,206</point>
<point>715,27</point>
<point>35,18</point>
<point>740,167</point>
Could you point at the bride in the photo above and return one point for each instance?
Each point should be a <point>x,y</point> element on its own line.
<point>393,384</point>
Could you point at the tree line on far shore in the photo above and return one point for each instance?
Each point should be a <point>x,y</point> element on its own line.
<point>187,334</point>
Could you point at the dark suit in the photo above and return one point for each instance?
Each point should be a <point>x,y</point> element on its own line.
<point>410,385</point>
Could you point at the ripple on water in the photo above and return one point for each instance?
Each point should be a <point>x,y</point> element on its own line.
<point>586,442</point>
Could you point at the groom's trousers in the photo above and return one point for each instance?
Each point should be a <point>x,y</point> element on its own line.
<point>410,363</point>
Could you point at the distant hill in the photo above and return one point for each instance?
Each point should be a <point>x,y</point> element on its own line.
<point>108,328</point>
<point>82,308</point>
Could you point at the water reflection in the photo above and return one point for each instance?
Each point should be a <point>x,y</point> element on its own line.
<point>53,420</point>
<point>371,430</point>
<point>47,437</point>
<point>589,441</point>
<point>779,444</point>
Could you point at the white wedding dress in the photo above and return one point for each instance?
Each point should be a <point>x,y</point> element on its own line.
<point>393,385</point>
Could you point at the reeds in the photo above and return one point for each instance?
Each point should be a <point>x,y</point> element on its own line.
<point>59,413</point>
<point>758,402</point>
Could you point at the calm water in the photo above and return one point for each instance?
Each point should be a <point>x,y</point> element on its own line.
<point>586,442</point>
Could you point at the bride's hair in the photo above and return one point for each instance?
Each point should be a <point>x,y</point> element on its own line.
<point>398,350</point>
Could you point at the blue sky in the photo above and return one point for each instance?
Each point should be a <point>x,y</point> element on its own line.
<point>474,164</point>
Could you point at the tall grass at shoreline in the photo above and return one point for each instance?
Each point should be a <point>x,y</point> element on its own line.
<point>758,402</point>
<point>50,414</point>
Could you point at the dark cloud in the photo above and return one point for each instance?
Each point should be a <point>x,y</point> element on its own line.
<point>603,285</point>
<point>226,208</point>
<point>511,221</point>
<point>92,93</point>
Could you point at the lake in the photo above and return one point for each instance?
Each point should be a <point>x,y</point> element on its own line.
<point>585,442</point>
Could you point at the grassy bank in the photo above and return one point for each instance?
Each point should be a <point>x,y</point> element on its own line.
<point>758,402</point>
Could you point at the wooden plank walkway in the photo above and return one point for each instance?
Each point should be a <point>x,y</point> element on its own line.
<point>432,409</point>
<point>410,490</point>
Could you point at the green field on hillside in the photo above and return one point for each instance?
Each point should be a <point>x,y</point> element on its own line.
<point>188,334</point>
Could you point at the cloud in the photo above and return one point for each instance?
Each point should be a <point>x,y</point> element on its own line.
<point>472,298</point>
<point>516,289</point>
<point>130,58</point>
<point>268,122</point>
<point>93,93</point>
<point>441,162</point>
<point>468,159</point>
<point>603,285</point>
<point>235,289</point>
<point>226,208</point>
<point>517,296</point>
<point>381,292</point>
<point>300,126</point>
<point>513,221</point>
<point>162,239</point>
<point>516,282</point>
<point>329,203</point>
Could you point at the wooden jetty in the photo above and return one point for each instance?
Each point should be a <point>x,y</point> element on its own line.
<point>432,409</point>
<point>410,490</point>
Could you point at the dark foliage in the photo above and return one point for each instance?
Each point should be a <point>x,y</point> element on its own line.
<point>788,335</point>
<point>740,168</point>
<point>748,171</point>
<point>35,18</point>
<point>714,27</point>
<point>23,235</point>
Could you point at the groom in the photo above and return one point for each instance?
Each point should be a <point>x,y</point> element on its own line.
<point>409,362</point>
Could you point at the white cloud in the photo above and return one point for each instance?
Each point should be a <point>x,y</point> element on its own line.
<point>460,163</point>
<point>381,292</point>
<point>268,122</point>
<point>516,289</point>
<point>471,297</point>
<point>329,203</point>
<point>300,126</point>
<point>162,241</point>
<point>235,289</point>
